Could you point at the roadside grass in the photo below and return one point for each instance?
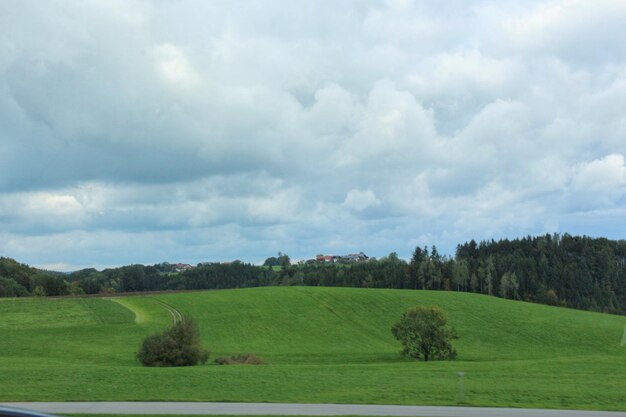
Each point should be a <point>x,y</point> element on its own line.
<point>321,345</point>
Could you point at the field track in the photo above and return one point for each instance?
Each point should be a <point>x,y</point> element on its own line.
<point>140,316</point>
<point>176,316</point>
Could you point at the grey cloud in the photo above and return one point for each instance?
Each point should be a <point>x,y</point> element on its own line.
<point>218,129</point>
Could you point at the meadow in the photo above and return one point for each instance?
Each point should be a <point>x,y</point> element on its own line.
<point>320,344</point>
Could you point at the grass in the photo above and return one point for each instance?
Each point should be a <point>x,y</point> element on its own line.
<point>320,345</point>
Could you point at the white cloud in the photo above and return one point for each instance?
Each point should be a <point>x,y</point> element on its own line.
<point>360,200</point>
<point>599,184</point>
<point>41,210</point>
<point>569,29</point>
<point>174,66</point>
<point>602,175</point>
<point>279,206</point>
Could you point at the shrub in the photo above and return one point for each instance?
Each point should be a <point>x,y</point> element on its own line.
<point>177,346</point>
<point>247,359</point>
<point>38,291</point>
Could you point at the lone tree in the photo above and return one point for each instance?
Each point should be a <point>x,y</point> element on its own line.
<point>178,345</point>
<point>424,332</point>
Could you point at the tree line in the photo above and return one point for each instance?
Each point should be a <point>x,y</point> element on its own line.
<point>572,271</point>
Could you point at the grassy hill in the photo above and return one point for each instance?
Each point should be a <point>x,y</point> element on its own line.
<point>321,345</point>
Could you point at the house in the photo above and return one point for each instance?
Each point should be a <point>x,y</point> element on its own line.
<point>325,258</point>
<point>182,267</point>
<point>350,258</point>
<point>355,257</point>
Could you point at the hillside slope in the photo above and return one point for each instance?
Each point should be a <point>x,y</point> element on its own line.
<point>321,345</point>
<point>354,324</point>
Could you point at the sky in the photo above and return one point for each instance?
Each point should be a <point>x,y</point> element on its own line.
<point>192,131</point>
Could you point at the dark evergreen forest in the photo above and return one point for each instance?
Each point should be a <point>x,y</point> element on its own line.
<point>570,271</point>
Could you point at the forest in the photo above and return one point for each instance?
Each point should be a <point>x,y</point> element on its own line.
<point>571,271</point>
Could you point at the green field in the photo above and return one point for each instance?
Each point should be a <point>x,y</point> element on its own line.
<point>320,345</point>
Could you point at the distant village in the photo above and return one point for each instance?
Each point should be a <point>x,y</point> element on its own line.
<point>349,258</point>
<point>319,259</point>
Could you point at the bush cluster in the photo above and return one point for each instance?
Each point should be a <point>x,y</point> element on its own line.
<point>247,359</point>
<point>178,345</point>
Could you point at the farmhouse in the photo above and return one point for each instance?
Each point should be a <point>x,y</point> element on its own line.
<point>182,267</point>
<point>325,258</point>
<point>355,257</point>
<point>349,258</point>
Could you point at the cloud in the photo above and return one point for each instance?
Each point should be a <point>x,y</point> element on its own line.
<point>197,130</point>
<point>174,66</point>
<point>568,29</point>
<point>599,184</point>
<point>360,200</point>
<point>601,175</point>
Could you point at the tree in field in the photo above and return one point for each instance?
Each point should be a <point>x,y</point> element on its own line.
<point>177,346</point>
<point>425,333</point>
